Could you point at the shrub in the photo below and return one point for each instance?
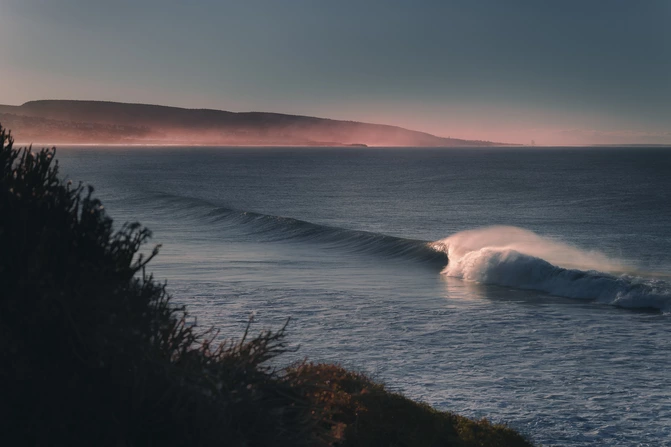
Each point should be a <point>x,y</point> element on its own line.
<point>92,350</point>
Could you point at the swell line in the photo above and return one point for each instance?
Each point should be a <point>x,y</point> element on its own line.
<point>270,228</point>
<point>503,256</point>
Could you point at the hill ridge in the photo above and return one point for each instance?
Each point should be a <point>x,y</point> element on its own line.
<point>163,124</point>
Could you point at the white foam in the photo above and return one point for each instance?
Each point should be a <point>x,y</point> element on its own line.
<point>519,258</point>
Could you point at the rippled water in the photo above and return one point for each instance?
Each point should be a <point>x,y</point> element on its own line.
<point>556,322</point>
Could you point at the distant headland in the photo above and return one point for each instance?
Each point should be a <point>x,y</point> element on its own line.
<point>102,122</point>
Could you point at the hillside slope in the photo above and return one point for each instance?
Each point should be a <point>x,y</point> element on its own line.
<point>98,122</point>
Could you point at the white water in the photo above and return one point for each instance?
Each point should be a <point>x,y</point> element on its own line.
<point>463,246</point>
<point>515,257</point>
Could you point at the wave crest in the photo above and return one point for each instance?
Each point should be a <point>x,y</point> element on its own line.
<point>519,258</point>
<point>270,228</point>
<point>507,256</point>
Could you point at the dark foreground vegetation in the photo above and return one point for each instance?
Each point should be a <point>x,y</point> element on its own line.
<point>92,351</point>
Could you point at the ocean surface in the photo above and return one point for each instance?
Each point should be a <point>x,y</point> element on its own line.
<point>528,286</point>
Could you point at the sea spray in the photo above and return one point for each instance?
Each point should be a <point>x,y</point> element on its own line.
<point>515,257</point>
<point>507,238</point>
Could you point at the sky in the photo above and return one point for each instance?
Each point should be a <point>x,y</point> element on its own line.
<point>557,72</point>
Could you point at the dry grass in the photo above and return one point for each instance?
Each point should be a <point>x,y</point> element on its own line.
<point>360,412</point>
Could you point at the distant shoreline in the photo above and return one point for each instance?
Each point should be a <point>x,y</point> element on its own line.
<point>88,122</point>
<point>334,146</point>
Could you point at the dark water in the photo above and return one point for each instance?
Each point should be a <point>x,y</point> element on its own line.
<point>552,314</point>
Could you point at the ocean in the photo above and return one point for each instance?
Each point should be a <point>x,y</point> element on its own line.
<point>529,286</point>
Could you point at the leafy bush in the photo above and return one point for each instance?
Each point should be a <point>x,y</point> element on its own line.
<point>92,351</point>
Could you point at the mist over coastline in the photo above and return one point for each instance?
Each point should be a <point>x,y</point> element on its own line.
<point>100,122</point>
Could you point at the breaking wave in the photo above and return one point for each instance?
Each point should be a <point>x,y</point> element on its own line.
<point>514,257</point>
<point>505,256</point>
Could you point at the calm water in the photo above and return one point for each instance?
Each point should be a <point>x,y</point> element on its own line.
<point>553,314</point>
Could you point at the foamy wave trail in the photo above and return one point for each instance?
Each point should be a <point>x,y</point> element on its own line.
<point>269,228</point>
<point>518,258</point>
